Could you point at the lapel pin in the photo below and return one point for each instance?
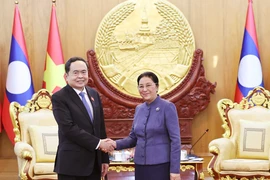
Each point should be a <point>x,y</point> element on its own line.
<point>157,109</point>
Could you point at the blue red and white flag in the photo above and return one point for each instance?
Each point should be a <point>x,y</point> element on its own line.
<point>19,85</point>
<point>250,69</point>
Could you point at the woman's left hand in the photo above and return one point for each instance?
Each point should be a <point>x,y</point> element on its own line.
<point>174,176</point>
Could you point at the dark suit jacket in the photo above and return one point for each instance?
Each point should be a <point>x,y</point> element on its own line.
<point>78,136</point>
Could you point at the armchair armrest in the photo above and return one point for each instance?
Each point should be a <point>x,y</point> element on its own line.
<point>222,149</point>
<point>26,158</point>
<point>23,150</point>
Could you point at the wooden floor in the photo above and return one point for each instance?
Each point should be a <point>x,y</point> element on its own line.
<point>9,171</point>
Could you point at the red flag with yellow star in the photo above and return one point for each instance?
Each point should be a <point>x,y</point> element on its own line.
<point>54,70</point>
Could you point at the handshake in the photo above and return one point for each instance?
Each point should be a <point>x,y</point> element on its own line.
<point>107,145</point>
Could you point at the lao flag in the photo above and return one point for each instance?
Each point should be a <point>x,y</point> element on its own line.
<point>54,70</point>
<point>250,69</point>
<point>19,86</point>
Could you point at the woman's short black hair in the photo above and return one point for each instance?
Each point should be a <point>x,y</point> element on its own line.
<point>149,74</point>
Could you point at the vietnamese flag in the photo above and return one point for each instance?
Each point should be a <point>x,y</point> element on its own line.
<point>250,69</point>
<point>19,84</point>
<point>54,70</point>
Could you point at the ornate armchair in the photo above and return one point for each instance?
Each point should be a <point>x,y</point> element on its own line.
<point>36,137</point>
<point>243,152</point>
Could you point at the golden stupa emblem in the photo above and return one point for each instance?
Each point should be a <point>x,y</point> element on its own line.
<point>144,35</point>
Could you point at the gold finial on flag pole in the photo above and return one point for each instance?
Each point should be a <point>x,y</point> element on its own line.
<point>53,1</point>
<point>16,2</point>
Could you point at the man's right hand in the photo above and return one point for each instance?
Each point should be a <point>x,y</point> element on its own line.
<point>107,145</point>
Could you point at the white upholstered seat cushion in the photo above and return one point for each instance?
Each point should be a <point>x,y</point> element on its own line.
<point>244,165</point>
<point>44,168</point>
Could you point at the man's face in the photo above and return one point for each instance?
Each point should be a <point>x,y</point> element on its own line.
<point>77,77</point>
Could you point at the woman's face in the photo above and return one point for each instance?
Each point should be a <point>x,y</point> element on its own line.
<point>147,89</point>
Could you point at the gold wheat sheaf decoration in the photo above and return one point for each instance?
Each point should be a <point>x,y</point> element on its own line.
<point>108,26</point>
<point>111,21</point>
<point>171,15</point>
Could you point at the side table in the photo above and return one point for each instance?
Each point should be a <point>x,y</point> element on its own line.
<point>189,170</point>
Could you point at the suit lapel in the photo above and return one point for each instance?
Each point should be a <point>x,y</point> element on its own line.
<point>76,99</point>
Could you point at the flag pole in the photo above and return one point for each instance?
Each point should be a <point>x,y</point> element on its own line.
<point>16,2</point>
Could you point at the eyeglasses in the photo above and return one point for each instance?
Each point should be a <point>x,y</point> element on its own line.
<point>147,86</point>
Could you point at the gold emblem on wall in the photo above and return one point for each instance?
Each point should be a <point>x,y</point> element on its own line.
<point>144,35</point>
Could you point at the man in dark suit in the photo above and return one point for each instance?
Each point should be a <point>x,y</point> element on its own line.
<point>78,111</point>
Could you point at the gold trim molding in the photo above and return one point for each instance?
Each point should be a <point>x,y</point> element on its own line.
<point>243,178</point>
<point>121,168</point>
<point>186,167</point>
